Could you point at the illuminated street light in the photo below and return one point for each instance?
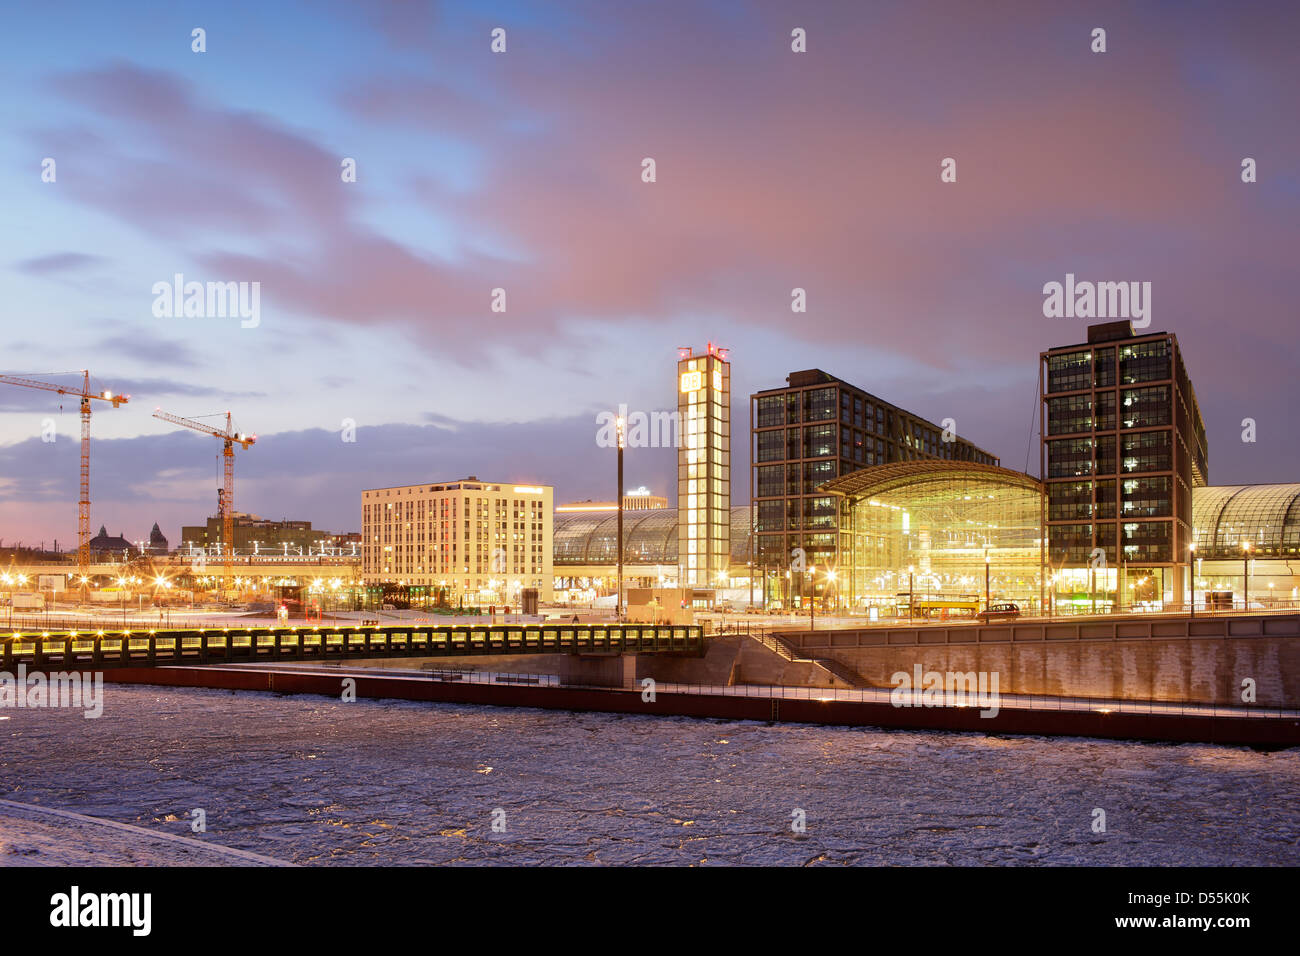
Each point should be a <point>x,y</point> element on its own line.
<point>618,531</point>
<point>987,607</point>
<point>1245,575</point>
<point>911,593</point>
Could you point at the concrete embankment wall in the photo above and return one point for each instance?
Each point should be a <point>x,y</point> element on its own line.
<point>1272,732</point>
<point>728,660</point>
<point>1203,660</point>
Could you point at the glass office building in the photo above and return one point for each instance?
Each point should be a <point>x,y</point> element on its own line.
<point>1123,446</point>
<point>816,429</point>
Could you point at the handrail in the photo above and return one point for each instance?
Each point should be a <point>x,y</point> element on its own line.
<point>161,647</point>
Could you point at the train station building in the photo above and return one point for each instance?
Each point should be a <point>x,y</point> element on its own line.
<point>811,432</point>
<point>930,536</point>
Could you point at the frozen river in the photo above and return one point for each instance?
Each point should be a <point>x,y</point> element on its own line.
<point>312,780</point>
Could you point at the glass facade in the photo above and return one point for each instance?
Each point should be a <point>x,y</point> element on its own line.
<point>704,468</point>
<point>1267,517</point>
<point>649,538</point>
<point>923,530</point>
<point>1123,448</point>
<point>815,430</point>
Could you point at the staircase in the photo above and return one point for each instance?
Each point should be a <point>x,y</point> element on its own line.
<point>778,645</point>
<point>844,673</point>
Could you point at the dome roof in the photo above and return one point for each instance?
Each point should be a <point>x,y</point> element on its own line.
<point>649,537</point>
<point>1268,516</point>
<point>879,479</point>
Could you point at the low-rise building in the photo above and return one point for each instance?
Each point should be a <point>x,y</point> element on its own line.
<point>255,535</point>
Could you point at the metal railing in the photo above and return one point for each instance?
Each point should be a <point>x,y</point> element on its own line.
<point>1044,630</point>
<point>101,648</point>
<point>1257,604</point>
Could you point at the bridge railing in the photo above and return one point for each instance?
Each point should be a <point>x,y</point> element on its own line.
<point>101,648</point>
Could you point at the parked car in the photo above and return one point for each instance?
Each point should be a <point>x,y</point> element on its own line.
<point>1005,611</point>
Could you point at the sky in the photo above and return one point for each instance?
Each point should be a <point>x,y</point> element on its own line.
<point>522,170</point>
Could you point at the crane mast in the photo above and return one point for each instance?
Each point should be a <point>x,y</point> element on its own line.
<point>225,494</point>
<point>83,501</point>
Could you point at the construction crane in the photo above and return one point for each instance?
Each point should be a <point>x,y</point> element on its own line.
<point>83,503</point>
<point>226,494</point>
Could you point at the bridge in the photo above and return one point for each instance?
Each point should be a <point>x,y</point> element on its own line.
<point>106,649</point>
<point>173,567</point>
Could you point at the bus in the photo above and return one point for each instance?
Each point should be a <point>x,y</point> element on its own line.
<point>939,607</point>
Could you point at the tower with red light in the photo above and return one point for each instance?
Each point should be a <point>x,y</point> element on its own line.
<point>703,467</point>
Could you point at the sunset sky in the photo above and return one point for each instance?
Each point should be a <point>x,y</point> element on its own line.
<point>522,171</point>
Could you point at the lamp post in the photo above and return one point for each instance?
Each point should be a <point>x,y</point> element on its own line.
<point>987,608</point>
<point>812,601</point>
<point>1191,574</point>
<point>911,594</point>
<point>1245,575</point>
<point>622,443</point>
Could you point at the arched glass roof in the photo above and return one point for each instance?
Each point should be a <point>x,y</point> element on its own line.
<point>649,537</point>
<point>1268,516</point>
<point>1223,515</point>
<point>879,479</point>
<point>953,525</point>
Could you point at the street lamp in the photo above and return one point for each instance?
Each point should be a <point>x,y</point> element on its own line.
<point>986,584</point>
<point>911,594</point>
<point>1245,575</point>
<point>622,443</point>
<point>1191,572</point>
<point>812,601</point>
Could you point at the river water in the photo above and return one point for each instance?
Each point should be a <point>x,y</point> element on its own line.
<point>314,780</point>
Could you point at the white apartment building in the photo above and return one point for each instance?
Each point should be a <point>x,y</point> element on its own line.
<point>483,541</point>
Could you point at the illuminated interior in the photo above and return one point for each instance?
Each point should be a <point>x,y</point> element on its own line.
<point>929,530</point>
